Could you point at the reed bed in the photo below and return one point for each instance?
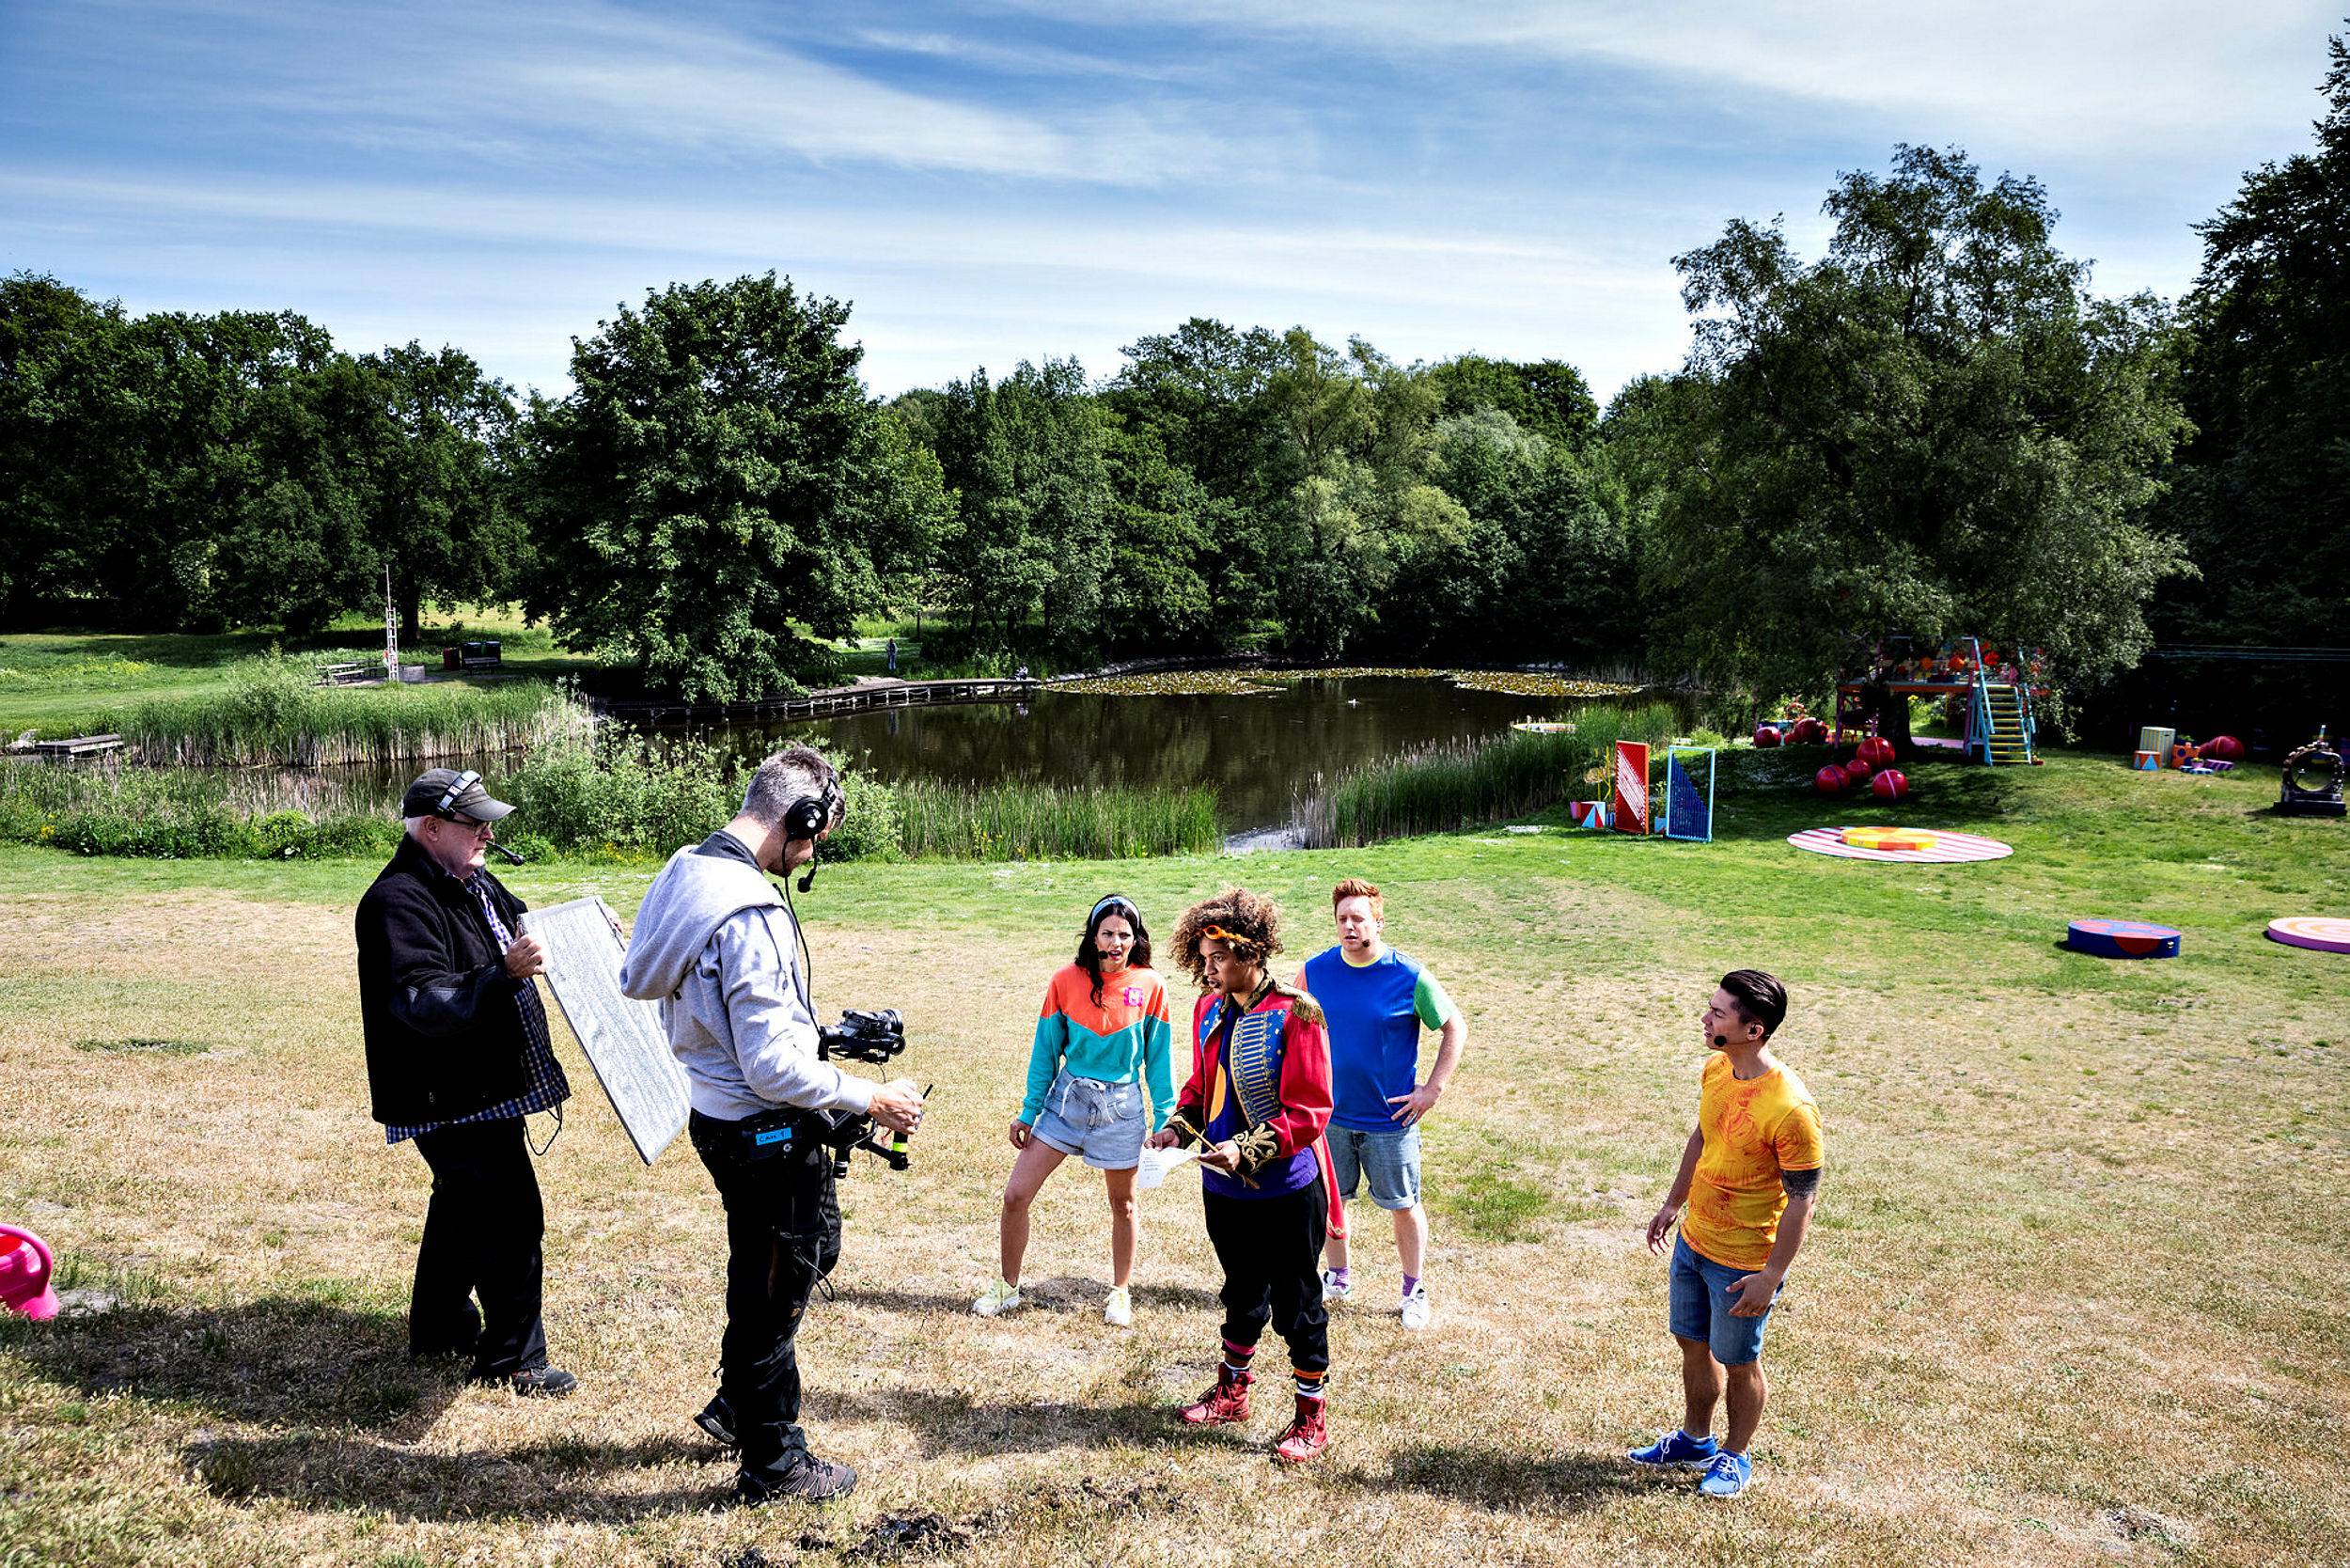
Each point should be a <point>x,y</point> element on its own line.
<point>1442,788</point>
<point>1041,821</point>
<point>274,715</point>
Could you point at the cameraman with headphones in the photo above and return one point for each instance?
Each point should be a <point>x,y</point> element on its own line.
<point>717,946</point>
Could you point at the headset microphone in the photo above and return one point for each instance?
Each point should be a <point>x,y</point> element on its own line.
<point>808,877</point>
<point>1721,1040</point>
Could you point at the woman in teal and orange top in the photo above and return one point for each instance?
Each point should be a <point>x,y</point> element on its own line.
<point>1103,1038</point>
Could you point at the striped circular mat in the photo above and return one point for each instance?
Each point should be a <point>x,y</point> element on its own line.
<point>1948,846</point>
<point>2327,933</point>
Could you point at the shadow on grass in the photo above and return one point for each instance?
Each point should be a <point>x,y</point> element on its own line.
<point>287,1361</point>
<point>1498,1478</point>
<point>940,1424</point>
<point>535,1481</point>
<point>1064,1292</point>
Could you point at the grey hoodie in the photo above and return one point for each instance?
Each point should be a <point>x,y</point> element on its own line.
<point>714,947</point>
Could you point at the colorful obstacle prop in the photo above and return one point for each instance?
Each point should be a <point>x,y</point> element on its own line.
<point>2312,781</point>
<point>28,1274</point>
<point>1888,838</point>
<point>1890,784</point>
<point>2324,933</point>
<point>1686,815</point>
<point>1832,779</point>
<point>1948,848</point>
<point>2122,939</point>
<point>1631,805</point>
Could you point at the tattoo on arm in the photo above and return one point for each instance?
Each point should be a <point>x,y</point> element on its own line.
<point>1800,1183</point>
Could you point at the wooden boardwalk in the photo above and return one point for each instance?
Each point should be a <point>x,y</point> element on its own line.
<point>826,703</point>
<point>78,745</point>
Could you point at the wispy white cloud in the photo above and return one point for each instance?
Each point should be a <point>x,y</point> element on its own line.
<point>2084,74</point>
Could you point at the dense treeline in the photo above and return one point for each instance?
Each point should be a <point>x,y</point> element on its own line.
<point>1936,425</point>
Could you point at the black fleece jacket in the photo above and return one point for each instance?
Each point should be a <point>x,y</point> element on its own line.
<point>445,1037</point>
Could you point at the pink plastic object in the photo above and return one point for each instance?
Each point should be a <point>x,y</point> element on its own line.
<point>1831,780</point>
<point>1807,731</point>
<point>1889,785</point>
<point>1766,735</point>
<point>2223,748</point>
<point>26,1266</point>
<point>1876,751</point>
<point>1857,771</point>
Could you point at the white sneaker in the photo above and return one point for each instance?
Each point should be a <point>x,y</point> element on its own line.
<point>1416,1307</point>
<point>1332,1290</point>
<point>1119,1311</point>
<point>1002,1296</point>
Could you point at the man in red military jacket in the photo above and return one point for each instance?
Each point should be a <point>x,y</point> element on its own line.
<point>1256,1105</point>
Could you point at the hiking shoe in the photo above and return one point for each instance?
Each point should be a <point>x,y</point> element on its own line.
<point>1305,1437</point>
<point>1333,1288</point>
<point>809,1479</point>
<point>1416,1307</point>
<point>1119,1311</point>
<point>1002,1296</point>
<point>717,1420</point>
<point>1677,1449</point>
<point>535,1382</point>
<point>1226,1402</point>
<point>1727,1476</point>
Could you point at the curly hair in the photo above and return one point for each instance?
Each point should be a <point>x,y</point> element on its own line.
<point>1251,923</point>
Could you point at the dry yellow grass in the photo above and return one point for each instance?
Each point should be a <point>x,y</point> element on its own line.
<point>2074,1261</point>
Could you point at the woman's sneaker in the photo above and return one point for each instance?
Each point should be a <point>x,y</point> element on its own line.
<point>1119,1311</point>
<point>1000,1298</point>
<point>1336,1286</point>
<point>1727,1476</point>
<point>1678,1448</point>
<point>1416,1307</point>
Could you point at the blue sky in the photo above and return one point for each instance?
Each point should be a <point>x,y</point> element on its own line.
<point>993,182</point>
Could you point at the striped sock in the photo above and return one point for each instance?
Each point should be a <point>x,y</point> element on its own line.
<point>1236,1357</point>
<point>1310,1384</point>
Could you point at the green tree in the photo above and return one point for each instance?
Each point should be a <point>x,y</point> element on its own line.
<point>1547,396</point>
<point>1936,427</point>
<point>717,474</point>
<point>2264,490</point>
<point>435,446</point>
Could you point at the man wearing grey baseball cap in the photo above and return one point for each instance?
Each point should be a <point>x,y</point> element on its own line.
<point>457,1057</point>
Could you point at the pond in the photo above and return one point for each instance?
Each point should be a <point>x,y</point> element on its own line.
<point>1261,752</point>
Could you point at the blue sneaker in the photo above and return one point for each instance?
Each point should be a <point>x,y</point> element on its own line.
<point>1727,1476</point>
<point>1676,1448</point>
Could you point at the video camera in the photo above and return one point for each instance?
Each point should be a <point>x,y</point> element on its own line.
<point>873,1038</point>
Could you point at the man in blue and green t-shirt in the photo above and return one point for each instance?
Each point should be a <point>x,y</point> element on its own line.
<point>1377,1000</point>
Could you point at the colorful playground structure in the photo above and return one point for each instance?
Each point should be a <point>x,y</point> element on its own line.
<point>1990,694</point>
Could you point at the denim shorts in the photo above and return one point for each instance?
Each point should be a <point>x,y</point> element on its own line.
<point>1102,1122</point>
<point>1391,1160</point>
<point>1701,1307</point>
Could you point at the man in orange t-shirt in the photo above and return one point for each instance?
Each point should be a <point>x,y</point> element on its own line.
<point>1749,1178</point>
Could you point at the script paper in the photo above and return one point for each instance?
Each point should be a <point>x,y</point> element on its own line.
<point>623,1037</point>
<point>1156,1163</point>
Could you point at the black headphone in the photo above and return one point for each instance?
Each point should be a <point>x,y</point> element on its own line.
<point>810,815</point>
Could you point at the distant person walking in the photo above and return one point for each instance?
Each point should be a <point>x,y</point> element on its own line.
<point>457,1057</point>
<point>1102,1037</point>
<point>1377,1001</point>
<point>891,666</point>
<point>1750,1178</point>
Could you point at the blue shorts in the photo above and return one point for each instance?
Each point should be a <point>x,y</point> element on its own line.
<point>1701,1307</point>
<point>1102,1123</point>
<point>1391,1160</point>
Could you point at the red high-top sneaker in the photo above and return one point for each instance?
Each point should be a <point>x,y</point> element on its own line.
<point>1306,1436</point>
<point>1226,1402</point>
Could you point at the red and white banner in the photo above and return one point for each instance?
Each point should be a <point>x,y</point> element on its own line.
<point>1631,787</point>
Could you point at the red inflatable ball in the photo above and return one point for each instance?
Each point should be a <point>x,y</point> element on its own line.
<point>1889,785</point>
<point>1764,735</point>
<point>1857,771</point>
<point>1831,780</point>
<point>1877,752</point>
<point>2223,748</point>
<point>1808,732</point>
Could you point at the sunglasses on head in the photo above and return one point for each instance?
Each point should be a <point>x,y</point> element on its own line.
<point>1223,935</point>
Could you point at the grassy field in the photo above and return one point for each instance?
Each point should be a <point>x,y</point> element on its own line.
<point>2066,1302</point>
<point>74,681</point>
